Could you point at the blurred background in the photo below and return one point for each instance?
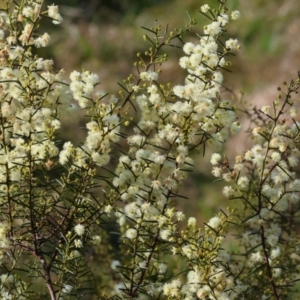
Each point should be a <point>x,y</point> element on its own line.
<point>104,36</point>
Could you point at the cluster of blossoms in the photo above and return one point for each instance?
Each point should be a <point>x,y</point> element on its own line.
<point>102,130</point>
<point>264,179</point>
<point>172,124</point>
<point>38,205</point>
<point>60,201</point>
<point>28,14</point>
<point>210,276</point>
